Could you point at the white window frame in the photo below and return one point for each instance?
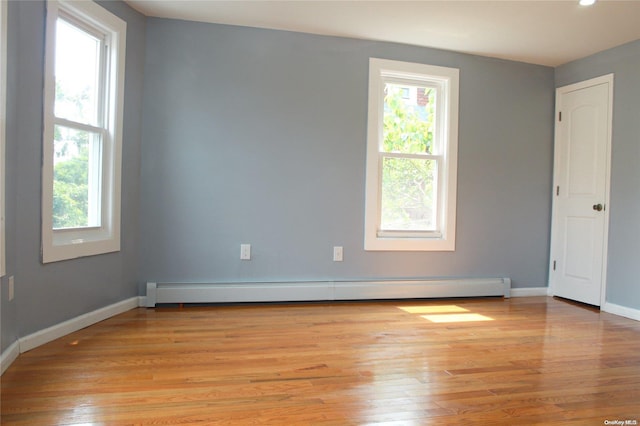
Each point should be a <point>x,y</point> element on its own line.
<point>3,116</point>
<point>446,80</point>
<point>61,244</point>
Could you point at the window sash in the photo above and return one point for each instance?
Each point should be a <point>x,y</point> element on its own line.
<point>110,31</point>
<point>437,143</point>
<point>102,77</point>
<point>95,180</point>
<point>445,81</point>
<point>96,145</point>
<point>412,233</point>
<point>436,155</point>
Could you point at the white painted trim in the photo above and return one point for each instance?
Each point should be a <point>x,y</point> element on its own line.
<point>554,241</point>
<point>72,243</point>
<point>622,311</point>
<point>3,103</point>
<point>59,330</point>
<point>47,335</point>
<point>323,290</point>
<point>9,355</point>
<point>529,292</point>
<point>381,70</point>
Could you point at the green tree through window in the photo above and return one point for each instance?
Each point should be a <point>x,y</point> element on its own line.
<point>71,185</point>
<point>408,184</point>
<point>71,166</point>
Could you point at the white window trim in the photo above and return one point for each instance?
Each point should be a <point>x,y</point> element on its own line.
<point>3,117</point>
<point>381,71</point>
<point>61,244</point>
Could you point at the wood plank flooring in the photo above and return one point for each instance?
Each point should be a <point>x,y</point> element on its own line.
<point>518,361</point>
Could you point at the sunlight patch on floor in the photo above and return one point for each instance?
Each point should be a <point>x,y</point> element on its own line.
<point>442,309</point>
<point>447,318</point>
<point>445,313</point>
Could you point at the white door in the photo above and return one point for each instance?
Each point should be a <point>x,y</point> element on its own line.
<point>581,189</point>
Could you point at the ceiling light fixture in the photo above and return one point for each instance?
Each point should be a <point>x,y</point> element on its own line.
<point>586,2</point>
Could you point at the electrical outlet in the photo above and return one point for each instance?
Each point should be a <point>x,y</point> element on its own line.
<point>11,288</point>
<point>337,254</point>
<point>245,251</point>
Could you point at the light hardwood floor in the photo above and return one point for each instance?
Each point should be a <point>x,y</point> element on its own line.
<point>460,361</point>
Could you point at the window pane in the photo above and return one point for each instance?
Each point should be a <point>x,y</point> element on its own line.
<point>408,194</point>
<point>77,74</point>
<point>408,119</point>
<point>76,178</point>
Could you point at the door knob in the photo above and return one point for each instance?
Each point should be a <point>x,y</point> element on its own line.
<point>597,207</point>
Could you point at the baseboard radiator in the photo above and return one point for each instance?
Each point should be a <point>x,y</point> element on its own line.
<point>158,293</point>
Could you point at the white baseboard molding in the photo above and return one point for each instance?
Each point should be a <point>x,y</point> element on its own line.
<point>47,335</point>
<point>529,292</point>
<point>622,311</point>
<point>323,290</point>
<point>9,355</point>
<point>59,330</point>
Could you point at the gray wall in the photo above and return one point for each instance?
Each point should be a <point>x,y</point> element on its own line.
<point>258,136</point>
<point>46,295</point>
<point>624,208</point>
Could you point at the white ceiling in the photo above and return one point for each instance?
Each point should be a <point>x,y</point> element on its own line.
<point>540,32</point>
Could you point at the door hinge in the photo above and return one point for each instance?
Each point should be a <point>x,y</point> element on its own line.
<point>557,190</point>
<point>560,116</point>
<point>554,265</point>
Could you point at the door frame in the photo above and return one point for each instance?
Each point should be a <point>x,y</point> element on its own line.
<point>554,239</point>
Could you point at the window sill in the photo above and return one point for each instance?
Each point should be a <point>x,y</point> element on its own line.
<point>409,243</point>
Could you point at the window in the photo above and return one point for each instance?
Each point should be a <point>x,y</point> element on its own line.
<point>82,142</point>
<point>3,103</point>
<point>411,157</point>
